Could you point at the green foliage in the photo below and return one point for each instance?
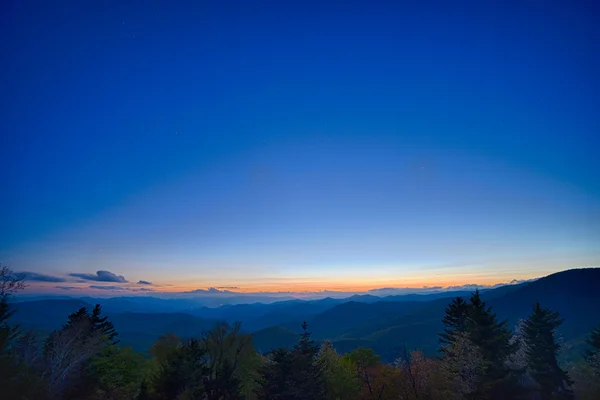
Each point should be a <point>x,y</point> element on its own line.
<point>341,382</point>
<point>164,346</point>
<point>542,350</point>
<point>229,356</point>
<point>119,371</point>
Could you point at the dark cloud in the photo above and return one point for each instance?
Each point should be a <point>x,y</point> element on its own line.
<point>66,287</point>
<point>228,287</point>
<point>116,288</point>
<point>141,282</point>
<point>34,276</point>
<point>102,276</point>
<point>144,290</point>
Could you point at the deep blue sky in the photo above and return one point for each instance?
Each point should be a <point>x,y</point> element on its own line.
<point>250,143</point>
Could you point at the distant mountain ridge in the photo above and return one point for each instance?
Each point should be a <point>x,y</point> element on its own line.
<point>386,324</point>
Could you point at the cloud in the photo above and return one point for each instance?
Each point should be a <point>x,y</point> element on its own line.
<point>141,282</point>
<point>101,276</point>
<point>66,287</point>
<point>144,290</point>
<point>473,286</point>
<point>210,290</point>
<point>116,288</point>
<point>34,276</point>
<point>228,287</point>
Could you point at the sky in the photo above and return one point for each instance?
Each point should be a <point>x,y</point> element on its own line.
<point>298,146</point>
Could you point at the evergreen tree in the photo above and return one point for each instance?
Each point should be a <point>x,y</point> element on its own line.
<point>542,350</point>
<point>455,322</point>
<point>308,377</point>
<point>493,340</point>
<point>104,326</point>
<point>274,376</point>
<point>183,373</point>
<point>97,323</point>
<point>592,355</point>
<point>293,375</point>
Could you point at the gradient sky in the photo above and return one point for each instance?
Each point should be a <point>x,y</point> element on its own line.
<point>299,145</point>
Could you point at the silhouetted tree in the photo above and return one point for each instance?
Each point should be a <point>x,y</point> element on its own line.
<point>592,355</point>
<point>17,380</point>
<point>455,322</point>
<point>226,347</point>
<point>542,350</point>
<point>182,374</point>
<point>104,326</point>
<point>493,340</point>
<point>293,375</point>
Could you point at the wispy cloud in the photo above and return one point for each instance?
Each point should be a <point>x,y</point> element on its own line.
<point>113,288</point>
<point>101,276</point>
<point>210,290</point>
<point>141,282</point>
<point>66,287</point>
<point>473,286</point>
<point>34,276</point>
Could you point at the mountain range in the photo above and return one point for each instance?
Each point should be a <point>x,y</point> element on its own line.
<point>386,324</point>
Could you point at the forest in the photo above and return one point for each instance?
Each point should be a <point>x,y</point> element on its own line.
<point>479,357</point>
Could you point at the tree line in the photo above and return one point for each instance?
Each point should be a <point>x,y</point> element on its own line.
<point>479,358</point>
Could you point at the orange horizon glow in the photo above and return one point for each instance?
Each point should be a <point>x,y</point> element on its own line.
<point>299,286</point>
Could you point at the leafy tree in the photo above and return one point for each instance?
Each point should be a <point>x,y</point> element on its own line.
<point>68,352</point>
<point>416,373</point>
<point>119,372</point>
<point>164,346</point>
<point>462,367</point>
<point>542,350</point>
<point>369,372</point>
<point>341,382</point>
<point>10,283</point>
<point>455,322</point>
<point>17,379</point>
<point>227,349</point>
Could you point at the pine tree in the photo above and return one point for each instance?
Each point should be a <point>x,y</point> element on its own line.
<point>274,376</point>
<point>455,322</point>
<point>309,377</point>
<point>493,340</point>
<point>293,375</point>
<point>183,372</point>
<point>97,323</point>
<point>103,325</point>
<point>593,354</point>
<point>542,350</point>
